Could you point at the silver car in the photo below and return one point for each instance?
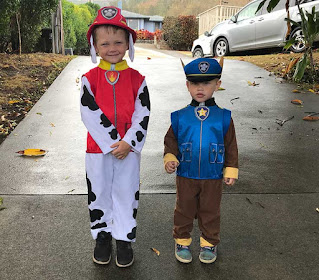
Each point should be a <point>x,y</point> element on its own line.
<point>248,30</point>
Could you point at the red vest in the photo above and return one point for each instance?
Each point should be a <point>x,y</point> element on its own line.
<point>118,110</point>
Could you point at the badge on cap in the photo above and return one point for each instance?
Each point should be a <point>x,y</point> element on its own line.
<point>202,112</point>
<point>109,13</point>
<point>203,67</point>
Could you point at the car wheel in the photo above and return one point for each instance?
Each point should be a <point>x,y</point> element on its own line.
<point>198,52</point>
<point>300,45</point>
<point>221,47</point>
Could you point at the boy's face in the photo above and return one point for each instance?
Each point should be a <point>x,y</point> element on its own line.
<point>202,91</point>
<point>110,44</point>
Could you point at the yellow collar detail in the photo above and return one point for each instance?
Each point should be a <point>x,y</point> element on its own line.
<point>122,65</point>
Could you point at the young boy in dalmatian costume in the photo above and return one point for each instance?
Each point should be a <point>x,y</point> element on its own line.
<point>115,109</point>
<point>200,143</point>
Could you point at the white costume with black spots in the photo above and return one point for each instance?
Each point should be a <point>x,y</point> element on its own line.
<point>114,106</point>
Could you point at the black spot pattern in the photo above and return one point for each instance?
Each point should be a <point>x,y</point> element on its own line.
<point>133,143</point>
<point>113,134</point>
<point>91,195</point>
<point>88,100</point>
<point>96,214</point>
<point>132,234</point>
<point>105,121</point>
<point>134,213</point>
<point>99,225</point>
<point>137,195</point>
<point>145,98</point>
<point>139,136</point>
<point>144,123</point>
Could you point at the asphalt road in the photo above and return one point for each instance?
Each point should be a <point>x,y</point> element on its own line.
<point>270,226</point>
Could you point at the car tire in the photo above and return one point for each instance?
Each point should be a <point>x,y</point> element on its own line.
<point>300,45</point>
<point>198,52</point>
<point>221,47</point>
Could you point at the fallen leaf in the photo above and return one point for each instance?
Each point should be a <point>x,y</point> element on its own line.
<point>13,101</point>
<point>77,80</point>
<point>296,91</point>
<point>2,208</point>
<point>221,88</point>
<point>39,114</point>
<point>67,177</point>
<point>311,118</point>
<point>52,124</point>
<point>148,58</point>
<point>296,101</point>
<point>1,200</point>
<point>71,190</point>
<point>311,90</point>
<point>32,152</point>
<point>156,251</point>
<point>252,84</point>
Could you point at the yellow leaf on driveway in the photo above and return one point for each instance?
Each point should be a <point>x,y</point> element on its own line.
<point>32,152</point>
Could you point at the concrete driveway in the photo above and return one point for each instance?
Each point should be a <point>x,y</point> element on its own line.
<point>270,226</point>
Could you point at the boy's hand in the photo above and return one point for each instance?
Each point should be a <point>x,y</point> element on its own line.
<point>121,149</point>
<point>229,181</point>
<point>171,166</point>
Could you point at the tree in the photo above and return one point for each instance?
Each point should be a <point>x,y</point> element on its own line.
<point>76,20</point>
<point>31,16</point>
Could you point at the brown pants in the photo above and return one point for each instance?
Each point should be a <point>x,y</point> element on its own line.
<point>201,199</point>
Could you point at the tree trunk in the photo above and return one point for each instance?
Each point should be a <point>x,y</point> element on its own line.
<point>19,32</point>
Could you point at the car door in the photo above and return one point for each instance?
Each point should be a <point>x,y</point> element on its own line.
<point>271,28</point>
<point>241,35</point>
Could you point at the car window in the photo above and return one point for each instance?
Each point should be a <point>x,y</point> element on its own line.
<point>280,6</point>
<point>248,11</point>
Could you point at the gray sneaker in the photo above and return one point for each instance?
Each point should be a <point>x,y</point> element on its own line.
<point>183,253</point>
<point>208,254</point>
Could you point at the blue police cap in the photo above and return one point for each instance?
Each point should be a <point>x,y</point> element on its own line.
<point>203,69</point>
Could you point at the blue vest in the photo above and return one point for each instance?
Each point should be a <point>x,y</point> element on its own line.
<point>200,133</point>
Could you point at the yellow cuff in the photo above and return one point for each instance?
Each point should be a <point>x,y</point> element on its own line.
<point>231,172</point>
<point>170,157</point>
<point>205,243</point>
<point>183,242</point>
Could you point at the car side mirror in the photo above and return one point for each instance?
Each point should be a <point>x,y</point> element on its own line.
<point>207,33</point>
<point>233,19</point>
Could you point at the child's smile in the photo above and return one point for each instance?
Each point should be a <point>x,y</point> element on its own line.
<point>110,45</point>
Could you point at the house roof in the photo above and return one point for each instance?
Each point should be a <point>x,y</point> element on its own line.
<point>128,14</point>
<point>131,15</point>
<point>156,18</point>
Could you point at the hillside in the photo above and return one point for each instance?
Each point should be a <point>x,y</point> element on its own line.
<point>166,7</point>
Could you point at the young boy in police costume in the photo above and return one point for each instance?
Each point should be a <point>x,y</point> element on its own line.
<point>115,109</point>
<point>201,147</point>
